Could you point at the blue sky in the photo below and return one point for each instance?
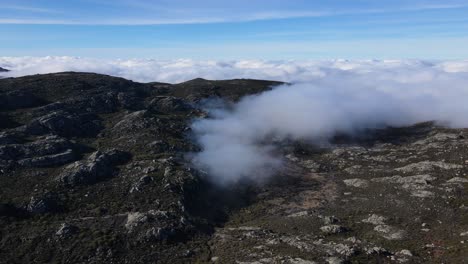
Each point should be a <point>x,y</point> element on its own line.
<point>241,29</point>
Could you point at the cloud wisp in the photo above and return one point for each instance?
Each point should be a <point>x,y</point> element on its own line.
<point>31,9</point>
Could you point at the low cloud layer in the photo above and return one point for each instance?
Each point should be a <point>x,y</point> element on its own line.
<point>174,71</point>
<point>238,141</point>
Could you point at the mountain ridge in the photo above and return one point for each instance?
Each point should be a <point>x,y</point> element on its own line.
<point>96,166</point>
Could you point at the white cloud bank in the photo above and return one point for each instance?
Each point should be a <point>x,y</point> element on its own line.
<point>174,71</point>
<point>326,97</point>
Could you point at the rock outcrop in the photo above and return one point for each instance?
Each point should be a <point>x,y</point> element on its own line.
<point>98,166</point>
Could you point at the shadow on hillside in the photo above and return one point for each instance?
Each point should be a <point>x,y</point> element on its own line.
<point>393,135</point>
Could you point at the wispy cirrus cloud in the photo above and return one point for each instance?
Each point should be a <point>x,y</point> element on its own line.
<point>155,13</point>
<point>29,9</point>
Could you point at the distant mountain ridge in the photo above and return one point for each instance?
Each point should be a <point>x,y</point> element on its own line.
<point>3,70</point>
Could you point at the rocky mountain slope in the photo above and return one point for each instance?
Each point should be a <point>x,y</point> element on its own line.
<point>3,70</point>
<point>92,170</point>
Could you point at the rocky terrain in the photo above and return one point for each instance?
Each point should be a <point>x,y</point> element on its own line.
<point>93,170</point>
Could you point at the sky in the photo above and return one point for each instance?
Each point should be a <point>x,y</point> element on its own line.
<point>241,29</point>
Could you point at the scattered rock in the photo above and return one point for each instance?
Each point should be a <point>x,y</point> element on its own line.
<point>403,256</point>
<point>353,169</point>
<point>158,234</point>
<point>144,180</point>
<point>299,214</point>
<point>159,146</point>
<point>357,183</point>
<point>375,220</point>
<point>424,179</point>
<point>137,219</point>
<point>131,123</point>
<point>98,166</point>
<point>311,165</point>
<point>344,250</point>
<point>404,252</point>
<point>334,260</point>
<point>329,220</point>
<point>297,261</point>
<point>428,166</point>
<point>415,184</point>
<point>43,204</point>
<point>149,169</point>
<point>353,240</point>
<point>390,232</point>
<point>333,229</point>
<point>422,193</point>
<point>66,230</point>
<point>458,180</point>
<point>377,251</point>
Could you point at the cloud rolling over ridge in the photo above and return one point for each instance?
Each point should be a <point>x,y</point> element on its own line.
<point>237,142</point>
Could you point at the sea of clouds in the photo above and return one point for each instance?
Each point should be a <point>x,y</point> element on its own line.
<point>174,71</point>
<point>323,98</point>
